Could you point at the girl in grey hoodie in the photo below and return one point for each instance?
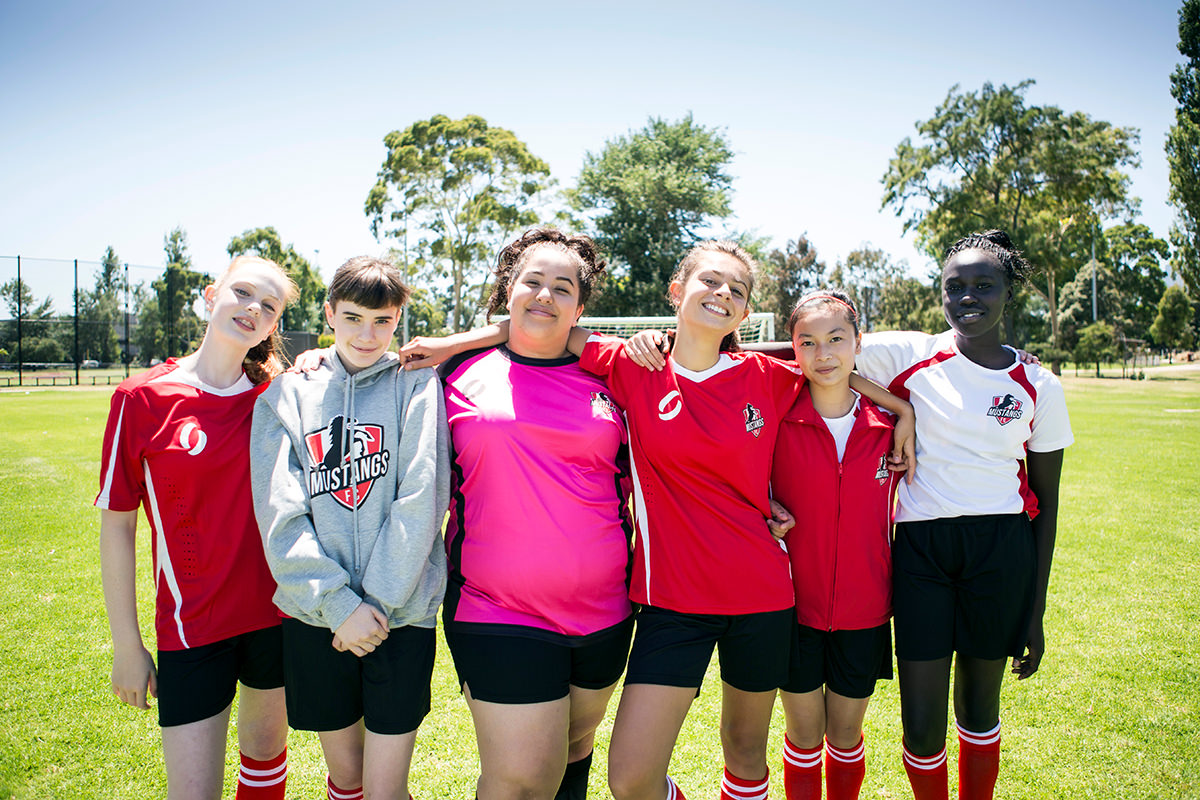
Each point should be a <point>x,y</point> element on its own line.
<point>351,482</point>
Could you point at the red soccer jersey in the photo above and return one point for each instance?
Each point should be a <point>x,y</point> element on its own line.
<point>180,448</point>
<point>701,445</point>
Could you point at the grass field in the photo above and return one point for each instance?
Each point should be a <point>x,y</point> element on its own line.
<point>1113,713</point>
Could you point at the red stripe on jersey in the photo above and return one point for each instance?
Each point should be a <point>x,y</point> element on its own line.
<point>1017,373</point>
<point>897,386</point>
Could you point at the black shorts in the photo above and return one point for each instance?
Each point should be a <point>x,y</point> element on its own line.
<point>328,690</point>
<point>964,585</point>
<point>671,648</point>
<point>199,682</point>
<point>501,664</point>
<point>847,662</point>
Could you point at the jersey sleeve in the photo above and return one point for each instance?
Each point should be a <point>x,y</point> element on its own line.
<point>121,480</point>
<point>409,559</point>
<point>307,576</point>
<point>1051,429</point>
<point>786,381</point>
<point>605,357</point>
<point>887,354</point>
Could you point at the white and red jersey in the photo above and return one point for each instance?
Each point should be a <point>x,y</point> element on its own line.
<point>180,449</point>
<point>537,537</point>
<point>974,424</point>
<point>701,445</point>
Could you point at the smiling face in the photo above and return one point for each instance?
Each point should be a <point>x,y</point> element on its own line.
<point>245,304</point>
<point>715,295</point>
<point>543,302</point>
<point>975,290</point>
<point>825,343</point>
<point>361,335</point>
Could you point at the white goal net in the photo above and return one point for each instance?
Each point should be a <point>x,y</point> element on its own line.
<point>758,327</point>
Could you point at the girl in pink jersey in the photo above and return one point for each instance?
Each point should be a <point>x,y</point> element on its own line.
<point>707,570</point>
<point>176,443</point>
<point>537,613</point>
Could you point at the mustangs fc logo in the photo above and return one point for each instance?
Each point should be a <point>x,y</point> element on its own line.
<point>343,468</point>
<point>1005,409</point>
<point>754,420</point>
<point>881,471</point>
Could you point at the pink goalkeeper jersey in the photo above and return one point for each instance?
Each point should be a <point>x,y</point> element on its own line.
<point>701,445</point>
<point>181,449</point>
<point>537,538</point>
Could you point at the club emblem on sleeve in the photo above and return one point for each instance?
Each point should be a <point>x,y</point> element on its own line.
<point>345,460</point>
<point>1005,409</point>
<point>754,420</point>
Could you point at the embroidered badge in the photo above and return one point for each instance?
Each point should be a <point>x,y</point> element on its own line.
<point>1005,409</point>
<point>754,420</point>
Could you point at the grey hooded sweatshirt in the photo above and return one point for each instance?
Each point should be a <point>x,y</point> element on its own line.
<point>351,480</point>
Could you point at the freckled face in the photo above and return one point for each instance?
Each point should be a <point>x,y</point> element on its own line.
<point>246,303</point>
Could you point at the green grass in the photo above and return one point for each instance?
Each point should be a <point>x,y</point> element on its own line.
<point>1113,713</point>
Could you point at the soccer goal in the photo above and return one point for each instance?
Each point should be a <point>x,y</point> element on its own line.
<point>758,327</point>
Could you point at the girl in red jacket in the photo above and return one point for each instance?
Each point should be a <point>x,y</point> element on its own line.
<point>840,551</point>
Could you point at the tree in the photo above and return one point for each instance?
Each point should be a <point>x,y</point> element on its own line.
<point>1172,326</point>
<point>1183,150</point>
<point>989,160</point>
<point>460,187</point>
<point>35,327</point>
<point>100,311</point>
<point>786,275</point>
<point>1136,257</point>
<point>1096,344</point>
<point>869,275</point>
<point>649,194</point>
<point>171,327</point>
<point>306,314</point>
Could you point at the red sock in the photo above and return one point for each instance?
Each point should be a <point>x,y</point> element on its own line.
<point>801,771</point>
<point>978,763</point>
<point>262,780</point>
<point>673,791</point>
<point>845,770</point>
<point>735,788</point>
<point>927,775</point>
<point>333,792</point>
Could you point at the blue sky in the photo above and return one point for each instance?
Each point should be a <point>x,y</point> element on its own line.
<point>124,120</point>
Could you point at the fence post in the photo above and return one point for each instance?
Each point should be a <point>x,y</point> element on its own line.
<point>20,351</point>
<point>77,322</point>
<point>126,319</point>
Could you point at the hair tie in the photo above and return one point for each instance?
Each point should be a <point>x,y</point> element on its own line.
<point>809,298</point>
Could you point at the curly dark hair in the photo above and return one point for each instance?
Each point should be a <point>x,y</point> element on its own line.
<point>508,264</point>
<point>995,242</point>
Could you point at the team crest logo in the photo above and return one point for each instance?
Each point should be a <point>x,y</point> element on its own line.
<point>344,468</point>
<point>1005,409</point>
<point>602,406</point>
<point>754,420</point>
<point>881,472</point>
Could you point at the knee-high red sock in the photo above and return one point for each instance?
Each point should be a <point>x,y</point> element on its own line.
<point>673,790</point>
<point>335,792</point>
<point>844,771</point>
<point>262,780</point>
<point>735,788</point>
<point>801,771</point>
<point>927,775</point>
<point>978,763</point>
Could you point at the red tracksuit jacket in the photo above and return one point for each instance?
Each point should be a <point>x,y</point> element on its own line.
<point>841,546</point>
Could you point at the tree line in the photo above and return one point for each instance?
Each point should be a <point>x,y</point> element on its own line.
<point>450,192</point>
